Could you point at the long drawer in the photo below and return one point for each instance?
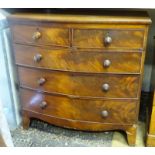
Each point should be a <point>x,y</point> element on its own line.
<point>90,85</point>
<point>40,35</point>
<point>104,111</point>
<point>94,62</point>
<point>108,38</point>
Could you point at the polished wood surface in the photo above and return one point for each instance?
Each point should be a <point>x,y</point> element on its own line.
<point>131,135</point>
<point>48,35</point>
<point>80,109</point>
<point>122,38</point>
<point>73,83</point>
<point>84,61</point>
<point>81,71</point>
<point>74,124</point>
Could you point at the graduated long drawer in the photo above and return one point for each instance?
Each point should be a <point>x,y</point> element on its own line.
<point>103,111</point>
<point>81,61</point>
<point>87,85</point>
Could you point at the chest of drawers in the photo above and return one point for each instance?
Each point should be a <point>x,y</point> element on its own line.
<point>81,71</point>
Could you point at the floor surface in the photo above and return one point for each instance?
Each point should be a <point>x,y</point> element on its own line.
<point>45,135</point>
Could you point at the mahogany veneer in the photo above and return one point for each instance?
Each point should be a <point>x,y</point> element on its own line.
<point>81,71</point>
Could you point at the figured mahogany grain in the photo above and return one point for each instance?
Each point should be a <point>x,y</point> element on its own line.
<point>75,124</point>
<point>80,109</point>
<point>49,35</point>
<point>121,86</point>
<point>74,76</point>
<point>90,61</point>
<point>91,38</point>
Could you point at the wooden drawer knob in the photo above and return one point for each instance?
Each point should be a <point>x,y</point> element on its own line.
<point>107,40</point>
<point>104,113</point>
<point>105,87</point>
<point>43,105</point>
<point>37,58</point>
<point>106,63</point>
<point>36,35</point>
<point>41,81</point>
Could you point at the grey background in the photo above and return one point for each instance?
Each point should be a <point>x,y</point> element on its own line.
<point>149,53</point>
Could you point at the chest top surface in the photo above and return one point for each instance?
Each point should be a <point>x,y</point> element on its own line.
<point>133,17</point>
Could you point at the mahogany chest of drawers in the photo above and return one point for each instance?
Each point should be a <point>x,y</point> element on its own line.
<point>81,71</point>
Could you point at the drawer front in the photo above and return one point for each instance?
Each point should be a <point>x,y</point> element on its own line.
<point>40,35</point>
<point>108,39</point>
<point>88,85</point>
<point>94,62</point>
<point>105,111</point>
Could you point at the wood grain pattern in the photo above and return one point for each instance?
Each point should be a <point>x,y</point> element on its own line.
<point>122,38</point>
<point>82,110</point>
<point>73,51</point>
<point>77,125</point>
<point>49,35</point>
<point>84,61</point>
<point>72,84</point>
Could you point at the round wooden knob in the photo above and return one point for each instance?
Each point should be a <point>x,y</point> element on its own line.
<point>43,105</point>
<point>107,63</point>
<point>37,57</point>
<point>105,87</point>
<point>107,40</point>
<point>104,113</point>
<point>41,81</point>
<point>36,35</point>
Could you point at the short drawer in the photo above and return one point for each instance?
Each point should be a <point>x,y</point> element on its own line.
<point>104,111</point>
<point>108,39</point>
<point>87,85</point>
<point>93,62</point>
<point>40,35</point>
